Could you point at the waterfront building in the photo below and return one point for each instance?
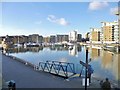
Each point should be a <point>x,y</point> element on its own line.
<point>20,39</point>
<point>52,39</point>
<point>110,32</point>
<point>40,39</point>
<point>35,38</point>
<point>66,38</point>
<point>46,39</point>
<point>95,35</point>
<point>1,39</point>
<point>62,38</point>
<point>118,14</point>
<point>87,36</point>
<point>73,36</point>
<point>59,38</point>
<point>7,42</point>
<point>79,37</point>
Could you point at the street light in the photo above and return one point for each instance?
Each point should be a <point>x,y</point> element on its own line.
<point>86,68</point>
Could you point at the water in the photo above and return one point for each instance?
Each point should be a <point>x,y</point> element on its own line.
<point>104,63</point>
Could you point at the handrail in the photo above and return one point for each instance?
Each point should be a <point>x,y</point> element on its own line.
<point>56,67</point>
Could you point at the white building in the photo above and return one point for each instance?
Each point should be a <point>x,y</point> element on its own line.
<point>116,32</point>
<point>73,36</point>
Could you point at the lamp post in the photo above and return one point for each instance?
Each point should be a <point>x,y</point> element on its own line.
<point>86,69</point>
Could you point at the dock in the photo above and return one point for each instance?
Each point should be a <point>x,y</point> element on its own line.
<point>26,76</point>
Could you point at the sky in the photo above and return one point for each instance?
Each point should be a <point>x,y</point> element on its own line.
<point>51,18</point>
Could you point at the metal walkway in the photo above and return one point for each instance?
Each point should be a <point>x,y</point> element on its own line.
<point>62,69</point>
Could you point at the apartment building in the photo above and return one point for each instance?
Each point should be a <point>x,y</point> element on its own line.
<point>46,39</point>
<point>79,37</point>
<point>20,39</point>
<point>52,39</point>
<point>110,32</point>
<point>95,35</point>
<point>66,38</point>
<point>7,42</point>
<point>35,38</point>
<point>73,36</point>
<point>61,38</point>
<point>87,36</point>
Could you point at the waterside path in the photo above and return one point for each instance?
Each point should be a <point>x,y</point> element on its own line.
<point>26,77</point>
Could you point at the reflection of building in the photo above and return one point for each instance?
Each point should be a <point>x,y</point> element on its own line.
<point>116,66</point>
<point>110,32</point>
<point>95,35</point>
<point>95,53</point>
<point>73,50</point>
<point>111,61</point>
<point>23,50</point>
<point>79,48</point>
<point>107,59</point>
<point>73,36</point>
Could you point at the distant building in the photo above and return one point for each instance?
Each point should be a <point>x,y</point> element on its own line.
<point>66,38</point>
<point>52,39</point>
<point>1,39</point>
<point>20,39</point>
<point>35,38</point>
<point>59,38</point>
<point>79,37</point>
<point>73,36</point>
<point>40,39</point>
<point>118,14</point>
<point>87,36</point>
<point>110,31</point>
<point>95,35</point>
<point>7,42</point>
<point>46,39</point>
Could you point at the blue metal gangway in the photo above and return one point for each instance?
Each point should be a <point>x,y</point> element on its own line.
<point>62,69</point>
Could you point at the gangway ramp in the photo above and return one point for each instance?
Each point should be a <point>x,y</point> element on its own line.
<point>62,69</point>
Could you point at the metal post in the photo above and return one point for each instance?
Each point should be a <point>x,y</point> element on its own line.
<point>86,69</point>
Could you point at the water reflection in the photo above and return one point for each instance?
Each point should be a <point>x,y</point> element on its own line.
<point>23,50</point>
<point>94,53</point>
<point>105,63</point>
<point>73,50</point>
<point>109,62</point>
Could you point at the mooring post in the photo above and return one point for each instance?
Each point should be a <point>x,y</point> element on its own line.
<point>86,69</point>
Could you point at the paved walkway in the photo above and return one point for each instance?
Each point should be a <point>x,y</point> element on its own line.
<point>26,77</point>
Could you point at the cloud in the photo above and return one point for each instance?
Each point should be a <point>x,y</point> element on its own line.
<point>114,10</point>
<point>60,21</point>
<point>96,5</point>
<point>38,22</point>
<point>52,18</point>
